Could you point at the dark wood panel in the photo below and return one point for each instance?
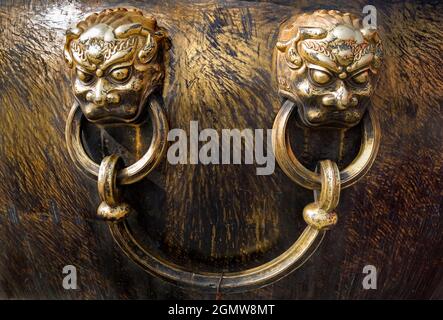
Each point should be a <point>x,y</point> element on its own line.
<point>220,73</point>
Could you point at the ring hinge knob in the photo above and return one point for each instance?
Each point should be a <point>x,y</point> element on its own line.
<point>112,208</point>
<point>318,218</point>
<point>320,214</point>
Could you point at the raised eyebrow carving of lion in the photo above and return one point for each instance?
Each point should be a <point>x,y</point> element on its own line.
<point>124,23</point>
<point>317,26</point>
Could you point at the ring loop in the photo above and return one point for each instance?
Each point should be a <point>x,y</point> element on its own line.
<point>134,172</point>
<point>107,180</point>
<point>320,214</point>
<point>300,174</point>
<point>111,208</point>
<point>330,186</point>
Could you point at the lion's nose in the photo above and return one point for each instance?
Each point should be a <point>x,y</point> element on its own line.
<point>97,95</point>
<point>344,98</point>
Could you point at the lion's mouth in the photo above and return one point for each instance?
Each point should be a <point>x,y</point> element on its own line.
<point>106,114</point>
<point>339,119</point>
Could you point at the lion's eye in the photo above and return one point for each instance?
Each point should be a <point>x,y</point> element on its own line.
<point>83,76</point>
<point>320,77</point>
<point>361,78</point>
<point>120,74</point>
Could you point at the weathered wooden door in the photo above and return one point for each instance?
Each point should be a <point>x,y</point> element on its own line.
<point>216,218</point>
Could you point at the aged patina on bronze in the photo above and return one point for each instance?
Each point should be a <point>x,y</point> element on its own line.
<point>117,62</point>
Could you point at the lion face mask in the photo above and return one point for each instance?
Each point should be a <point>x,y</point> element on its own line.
<point>116,63</point>
<point>327,63</point>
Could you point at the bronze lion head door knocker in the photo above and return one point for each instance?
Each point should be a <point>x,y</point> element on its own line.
<point>117,63</point>
<point>325,64</point>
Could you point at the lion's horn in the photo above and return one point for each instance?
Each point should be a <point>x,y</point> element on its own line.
<point>71,34</point>
<point>312,33</point>
<point>281,46</point>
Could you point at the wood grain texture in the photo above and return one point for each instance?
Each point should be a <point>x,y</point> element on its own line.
<point>218,217</point>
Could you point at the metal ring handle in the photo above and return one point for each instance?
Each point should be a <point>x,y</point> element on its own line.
<point>112,208</point>
<point>253,278</point>
<point>134,172</point>
<point>312,180</point>
<point>330,186</point>
<point>263,275</point>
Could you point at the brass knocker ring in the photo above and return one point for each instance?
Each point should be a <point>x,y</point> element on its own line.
<point>134,172</point>
<point>311,180</point>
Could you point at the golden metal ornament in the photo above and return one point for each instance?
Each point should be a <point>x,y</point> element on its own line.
<point>116,58</point>
<point>319,214</point>
<point>132,173</point>
<point>117,62</point>
<point>289,163</point>
<point>112,207</point>
<point>326,64</point>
